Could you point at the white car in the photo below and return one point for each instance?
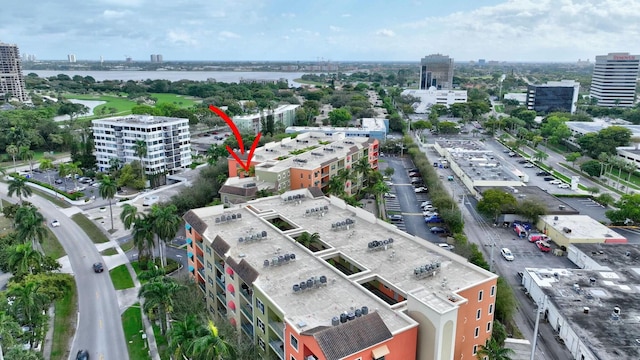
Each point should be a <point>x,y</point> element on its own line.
<point>555,182</point>
<point>421,189</point>
<point>425,203</point>
<point>390,196</point>
<point>564,186</point>
<point>150,200</point>
<point>446,246</point>
<point>506,254</point>
<point>55,223</point>
<point>529,165</point>
<point>428,208</point>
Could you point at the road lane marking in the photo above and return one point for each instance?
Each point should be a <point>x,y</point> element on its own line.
<point>100,322</point>
<point>97,295</point>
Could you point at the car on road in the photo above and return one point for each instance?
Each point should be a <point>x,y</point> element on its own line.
<point>564,186</point>
<point>437,230</point>
<point>82,355</point>
<point>55,223</point>
<point>543,173</point>
<point>506,254</point>
<point>555,182</point>
<point>543,246</point>
<point>98,267</point>
<point>150,200</point>
<point>395,217</point>
<point>421,189</point>
<point>529,165</point>
<point>389,196</point>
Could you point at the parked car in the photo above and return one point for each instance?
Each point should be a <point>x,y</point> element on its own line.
<point>529,165</point>
<point>434,219</point>
<point>150,200</point>
<point>416,180</point>
<point>98,267</point>
<point>58,181</point>
<point>555,182</point>
<point>447,247</point>
<point>55,223</point>
<point>389,196</point>
<point>523,161</point>
<point>506,254</point>
<point>543,246</point>
<point>564,186</point>
<point>536,237</point>
<point>543,173</point>
<point>413,170</point>
<point>548,178</point>
<point>437,230</point>
<point>395,217</point>
<point>425,203</point>
<point>421,189</point>
<point>428,208</point>
<point>415,174</point>
<point>430,213</point>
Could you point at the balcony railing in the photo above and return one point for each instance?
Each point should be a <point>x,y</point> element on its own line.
<point>201,259</point>
<point>247,311</point>
<point>246,295</point>
<point>278,347</point>
<point>248,329</point>
<point>220,282</point>
<point>222,297</point>
<point>201,272</point>
<point>202,286</point>
<point>278,328</point>
<point>219,267</point>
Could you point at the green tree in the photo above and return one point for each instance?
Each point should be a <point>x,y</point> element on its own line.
<point>129,215</point>
<point>492,350</point>
<point>494,202</point>
<point>573,157</point>
<point>212,347</point>
<point>166,224</point>
<point>389,171</point>
<point>107,190</point>
<point>628,207</point>
<point>46,164</point>
<point>13,151</point>
<point>24,259</point>
<point>30,224</point>
<point>28,305</point>
<point>531,210</point>
<point>143,238</point>
<point>157,297</point>
<point>605,199</point>
<point>339,117</point>
<point>114,165</point>
<point>214,152</point>
<point>182,336</point>
<point>591,167</point>
<point>18,185</point>
<point>72,169</point>
<point>308,240</point>
<point>140,149</point>
<point>539,156</point>
<point>27,155</point>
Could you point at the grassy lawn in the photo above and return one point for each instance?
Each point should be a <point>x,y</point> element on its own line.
<point>499,108</point>
<point>162,343</point>
<point>51,246</point>
<point>121,278</point>
<point>90,228</point>
<point>6,225</point>
<point>181,101</point>
<point>109,252</point>
<point>121,104</point>
<point>132,325</point>
<point>54,200</point>
<point>127,245</point>
<point>63,324</point>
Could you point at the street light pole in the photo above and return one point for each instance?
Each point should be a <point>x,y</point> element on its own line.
<point>539,309</point>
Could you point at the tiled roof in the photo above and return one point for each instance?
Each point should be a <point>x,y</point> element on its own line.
<point>337,342</point>
<point>238,190</point>
<point>220,246</point>
<point>316,192</point>
<point>196,223</point>
<point>245,271</point>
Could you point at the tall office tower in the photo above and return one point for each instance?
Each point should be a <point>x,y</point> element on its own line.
<point>436,70</point>
<point>614,79</point>
<point>159,57</point>
<point>154,58</point>
<point>71,58</point>
<point>11,78</point>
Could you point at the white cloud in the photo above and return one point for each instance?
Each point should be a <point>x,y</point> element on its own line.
<point>113,14</point>
<point>228,35</point>
<point>288,15</point>
<point>335,28</point>
<point>181,37</point>
<point>346,15</point>
<point>130,3</point>
<point>385,33</point>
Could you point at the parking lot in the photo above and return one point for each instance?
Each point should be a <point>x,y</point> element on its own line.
<point>66,183</point>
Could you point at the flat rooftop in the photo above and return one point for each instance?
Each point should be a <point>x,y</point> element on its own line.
<point>580,227</point>
<point>476,161</point>
<point>393,266</point>
<point>138,119</point>
<point>368,124</point>
<point>608,337</point>
<point>592,127</point>
<point>554,205</point>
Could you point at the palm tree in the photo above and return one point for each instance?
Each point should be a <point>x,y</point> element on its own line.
<point>540,156</point>
<point>3,172</point>
<point>166,224</point>
<point>29,224</point>
<point>307,240</point>
<point>492,350</point>
<point>630,168</point>
<point>75,171</point>
<point>18,185</point>
<point>140,149</point>
<point>182,335</point>
<point>27,154</point>
<point>114,165</point>
<point>158,296</point>
<point>129,215</point>
<point>362,167</point>
<point>28,304</point>
<point>143,237</point>
<point>45,165</point>
<point>107,190</point>
<point>9,330</point>
<point>212,347</point>
<point>12,150</point>
<point>214,152</point>
<point>335,186</point>
<point>24,259</point>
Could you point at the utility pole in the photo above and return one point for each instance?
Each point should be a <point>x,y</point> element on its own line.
<point>539,309</point>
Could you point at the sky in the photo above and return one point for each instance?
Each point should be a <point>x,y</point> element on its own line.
<point>328,30</point>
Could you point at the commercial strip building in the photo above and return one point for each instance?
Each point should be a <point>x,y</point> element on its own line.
<point>565,230</point>
<point>167,141</point>
<point>595,309</point>
<point>433,96</point>
<point>436,70</point>
<point>376,128</point>
<point>11,77</point>
<point>614,79</point>
<point>362,290</point>
<point>252,123</point>
<point>553,96</point>
<point>475,166</point>
<point>308,160</point>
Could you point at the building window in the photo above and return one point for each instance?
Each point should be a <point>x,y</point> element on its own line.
<point>475,349</point>
<point>261,344</point>
<point>477,333</point>
<point>260,306</point>
<point>292,357</point>
<point>480,295</point>
<point>490,309</point>
<point>261,325</point>
<point>208,249</point>
<point>294,342</point>
<point>478,314</point>
<point>493,290</point>
<point>489,326</point>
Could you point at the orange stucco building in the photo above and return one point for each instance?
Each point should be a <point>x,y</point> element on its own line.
<point>361,290</point>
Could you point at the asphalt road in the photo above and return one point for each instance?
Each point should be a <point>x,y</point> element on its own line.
<point>99,327</point>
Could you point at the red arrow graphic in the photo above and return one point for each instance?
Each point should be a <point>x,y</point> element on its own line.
<point>245,165</point>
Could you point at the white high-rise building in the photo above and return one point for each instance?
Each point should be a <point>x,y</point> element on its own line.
<point>167,141</point>
<point>614,79</point>
<point>11,78</point>
<point>71,58</point>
